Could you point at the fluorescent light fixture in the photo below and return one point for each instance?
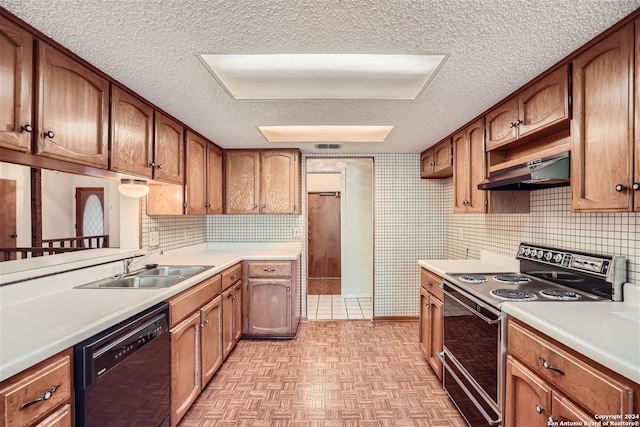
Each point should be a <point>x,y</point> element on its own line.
<point>325,133</point>
<point>323,76</point>
<point>133,188</point>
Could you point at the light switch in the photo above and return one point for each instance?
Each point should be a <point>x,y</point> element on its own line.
<point>154,239</point>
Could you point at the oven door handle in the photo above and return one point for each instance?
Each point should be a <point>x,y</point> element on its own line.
<point>475,312</point>
<point>475,402</point>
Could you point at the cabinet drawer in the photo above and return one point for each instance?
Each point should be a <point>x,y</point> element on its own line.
<point>430,282</point>
<point>33,383</point>
<point>580,378</point>
<point>231,275</point>
<point>269,269</point>
<point>192,299</point>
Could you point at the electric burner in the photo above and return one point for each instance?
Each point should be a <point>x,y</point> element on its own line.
<point>560,294</point>
<point>512,279</point>
<point>473,278</point>
<point>513,295</point>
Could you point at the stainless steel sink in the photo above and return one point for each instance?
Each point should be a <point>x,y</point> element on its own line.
<point>155,278</point>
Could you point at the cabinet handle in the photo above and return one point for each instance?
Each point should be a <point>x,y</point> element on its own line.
<point>636,186</point>
<point>264,206</point>
<point>159,166</point>
<point>207,205</point>
<point>288,289</point>
<point>13,236</point>
<point>552,421</point>
<point>151,165</point>
<point>26,128</point>
<point>206,322</point>
<point>46,396</point>
<point>255,206</point>
<point>427,305</point>
<point>518,122</point>
<point>49,134</point>
<point>550,367</point>
<point>539,409</point>
<point>620,188</point>
<point>269,270</point>
<point>234,276</point>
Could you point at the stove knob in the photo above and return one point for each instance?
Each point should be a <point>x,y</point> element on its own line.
<point>534,253</point>
<point>557,257</point>
<point>527,252</point>
<point>521,251</point>
<point>548,256</point>
<point>540,254</point>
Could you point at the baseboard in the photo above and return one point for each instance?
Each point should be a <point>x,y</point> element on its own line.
<point>397,318</point>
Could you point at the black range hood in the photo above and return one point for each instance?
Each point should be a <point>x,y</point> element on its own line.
<point>546,172</point>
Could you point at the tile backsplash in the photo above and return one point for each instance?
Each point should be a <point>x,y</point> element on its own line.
<point>414,220</point>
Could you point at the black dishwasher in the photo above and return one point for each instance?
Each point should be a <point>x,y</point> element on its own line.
<point>122,376</point>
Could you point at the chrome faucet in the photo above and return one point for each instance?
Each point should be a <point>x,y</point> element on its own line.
<point>127,263</point>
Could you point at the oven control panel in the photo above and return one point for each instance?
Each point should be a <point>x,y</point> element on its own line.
<point>569,260</point>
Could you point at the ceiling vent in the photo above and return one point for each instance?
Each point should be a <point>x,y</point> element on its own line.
<point>328,146</point>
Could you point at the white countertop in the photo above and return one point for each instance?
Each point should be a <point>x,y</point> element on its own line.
<point>606,332</point>
<point>41,317</point>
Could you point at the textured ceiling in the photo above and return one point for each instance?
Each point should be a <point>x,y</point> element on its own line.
<point>151,46</point>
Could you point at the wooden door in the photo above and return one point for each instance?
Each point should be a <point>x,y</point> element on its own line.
<point>269,307</point>
<point>185,366</point>
<point>435,343</point>
<point>73,110</point>
<point>211,338</point>
<point>168,151</point>
<point>16,82</point>
<point>241,183</point>
<point>545,104</point>
<point>602,125</point>
<point>278,182</point>
<point>324,244</point>
<point>527,397</point>
<point>501,127</point>
<point>214,180</point>
<point>131,134</point>
<point>89,213</point>
<point>196,175</point>
<point>8,228</point>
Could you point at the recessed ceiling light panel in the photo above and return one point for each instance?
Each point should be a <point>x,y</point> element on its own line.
<point>325,133</point>
<point>323,76</point>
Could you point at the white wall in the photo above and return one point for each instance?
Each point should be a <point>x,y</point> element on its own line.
<point>357,219</point>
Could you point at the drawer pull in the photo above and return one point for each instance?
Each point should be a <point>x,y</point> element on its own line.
<point>46,396</point>
<point>234,277</point>
<point>269,270</point>
<point>539,409</point>
<point>550,367</point>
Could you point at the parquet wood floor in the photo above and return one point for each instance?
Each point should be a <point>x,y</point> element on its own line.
<point>335,373</point>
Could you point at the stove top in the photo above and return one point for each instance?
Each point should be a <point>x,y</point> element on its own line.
<point>548,274</point>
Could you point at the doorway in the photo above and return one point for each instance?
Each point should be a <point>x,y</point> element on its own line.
<point>8,232</point>
<point>89,214</point>
<point>340,238</point>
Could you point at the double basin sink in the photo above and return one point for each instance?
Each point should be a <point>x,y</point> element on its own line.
<point>158,277</point>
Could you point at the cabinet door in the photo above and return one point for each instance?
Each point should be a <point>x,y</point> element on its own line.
<point>61,418</point>
<point>427,162</point>
<point>185,366</point>
<point>544,104</point>
<point>131,134</point>
<point>73,110</point>
<point>565,412</point>
<point>476,165</point>
<point>168,150</point>
<point>211,334</point>
<point>227,321</point>
<point>269,307</point>
<point>278,171</point>
<point>424,335</point>
<point>241,183</point>
<point>636,107</point>
<point>214,180</point>
<point>442,157</point>
<point>501,124</point>
<point>16,82</point>
<point>237,313</point>
<point>435,342</point>
<point>196,175</point>
<point>527,397</point>
<point>602,127</point>
<point>461,172</point>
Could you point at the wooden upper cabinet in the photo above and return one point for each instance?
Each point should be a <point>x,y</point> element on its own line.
<point>16,83</point>
<point>168,150</point>
<point>278,182</point>
<point>437,162</point>
<point>203,176</point>
<point>241,183</point>
<point>131,134</point>
<point>73,110</point>
<point>602,144</point>
<point>469,169</point>
<point>539,110</point>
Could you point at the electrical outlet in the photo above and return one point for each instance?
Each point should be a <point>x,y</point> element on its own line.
<point>297,231</point>
<point>154,239</point>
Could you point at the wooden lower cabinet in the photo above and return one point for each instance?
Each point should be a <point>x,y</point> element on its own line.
<point>29,385</point>
<point>272,300</point>
<point>196,343</point>
<point>547,383</point>
<point>231,317</point>
<point>431,316</point>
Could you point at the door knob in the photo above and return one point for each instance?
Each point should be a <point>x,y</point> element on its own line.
<point>49,134</point>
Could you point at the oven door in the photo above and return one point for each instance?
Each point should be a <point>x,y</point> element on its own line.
<point>471,356</point>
